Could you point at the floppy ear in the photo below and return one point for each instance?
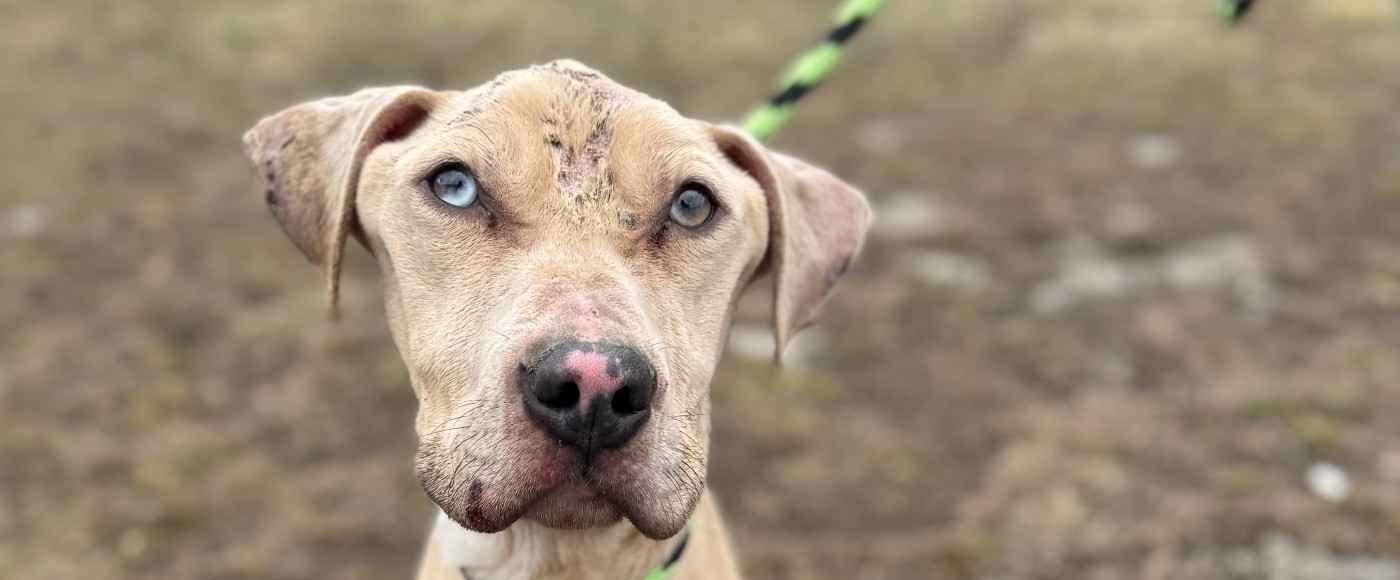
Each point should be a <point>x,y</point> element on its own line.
<point>816,225</point>
<point>309,158</point>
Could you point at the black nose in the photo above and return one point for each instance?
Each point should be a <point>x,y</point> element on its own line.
<point>591,396</point>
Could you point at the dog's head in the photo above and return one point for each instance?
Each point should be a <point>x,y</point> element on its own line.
<point>561,257</point>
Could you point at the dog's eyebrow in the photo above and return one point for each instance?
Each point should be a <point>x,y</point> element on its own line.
<point>479,100</point>
<point>680,165</point>
<point>479,151</point>
<point>661,154</point>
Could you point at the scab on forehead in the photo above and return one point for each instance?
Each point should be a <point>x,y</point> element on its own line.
<point>563,117</point>
<point>577,127</point>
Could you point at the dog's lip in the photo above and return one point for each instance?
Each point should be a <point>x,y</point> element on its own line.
<point>557,475</point>
<point>492,505</point>
<point>575,491</point>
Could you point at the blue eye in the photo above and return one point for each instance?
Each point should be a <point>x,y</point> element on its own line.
<point>455,185</point>
<point>692,206</point>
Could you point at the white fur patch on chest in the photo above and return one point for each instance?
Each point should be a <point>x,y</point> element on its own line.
<point>463,548</point>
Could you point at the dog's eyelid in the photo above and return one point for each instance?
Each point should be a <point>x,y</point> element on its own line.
<point>439,164</point>
<point>705,186</point>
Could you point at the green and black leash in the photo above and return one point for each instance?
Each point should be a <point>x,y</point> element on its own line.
<point>1233,10</point>
<point>816,64</point>
<point>810,69</point>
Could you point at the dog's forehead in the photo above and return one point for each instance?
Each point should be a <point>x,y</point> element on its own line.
<point>565,90</point>
<point>606,146</point>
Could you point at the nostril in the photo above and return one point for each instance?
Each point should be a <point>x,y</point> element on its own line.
<point>562,396</point>
<point>624,401</point>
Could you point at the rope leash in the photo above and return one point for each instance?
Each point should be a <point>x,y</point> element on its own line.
<point>1233,10</point>
<point>817,63</point>
<point>810,69</point>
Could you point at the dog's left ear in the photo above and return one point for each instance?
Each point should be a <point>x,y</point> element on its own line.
<point>309,159</point>
<point>816,225</point>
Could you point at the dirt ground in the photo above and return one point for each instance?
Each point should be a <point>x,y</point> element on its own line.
<point>1135,274</point>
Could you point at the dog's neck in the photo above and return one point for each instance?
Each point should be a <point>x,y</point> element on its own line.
<point>529,550</point>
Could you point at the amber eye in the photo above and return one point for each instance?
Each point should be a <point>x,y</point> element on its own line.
<point>693,206</point>
<point>455,185</point>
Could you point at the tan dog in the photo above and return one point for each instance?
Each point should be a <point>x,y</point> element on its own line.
<point>561,258</point>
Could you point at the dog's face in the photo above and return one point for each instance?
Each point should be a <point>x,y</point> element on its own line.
<point>561,256</point>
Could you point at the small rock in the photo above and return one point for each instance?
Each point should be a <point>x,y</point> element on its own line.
<point>909,215</point>
<point>25,221</point>
<point>1089,272</point>
<point>953,270</point>
<point>1286,560</point>
<point>1231,260</point>
<point>1328,481</point>
<point>1154,151</point>
<point>1084,274</point>
<point>882,137</point>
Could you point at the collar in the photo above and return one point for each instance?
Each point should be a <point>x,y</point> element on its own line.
<point>662,571</point>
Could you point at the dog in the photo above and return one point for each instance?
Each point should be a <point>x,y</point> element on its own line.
<point>561,259</point>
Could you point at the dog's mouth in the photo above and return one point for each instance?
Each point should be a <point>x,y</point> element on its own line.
<point>574,505</point>
<point>560,491</point>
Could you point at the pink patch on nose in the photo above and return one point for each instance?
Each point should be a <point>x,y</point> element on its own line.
<point>592,371</point>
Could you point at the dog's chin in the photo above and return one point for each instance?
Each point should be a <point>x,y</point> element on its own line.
<point>656,526</point>
<point>578,506</point>
<point>658,507</point>
<point>574,504</point>
<point>552,485</point>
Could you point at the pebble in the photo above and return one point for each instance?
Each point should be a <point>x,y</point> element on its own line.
<point>909,215</point>
<point>1328,481</point>
<point>883,137</point>
<point>1154,151</point>
<point>25,221</point>
<point>1286,560</point>
<point>1089,272</point>
<point>953,270</point>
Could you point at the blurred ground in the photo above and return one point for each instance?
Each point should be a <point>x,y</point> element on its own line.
<point>1134,274</point>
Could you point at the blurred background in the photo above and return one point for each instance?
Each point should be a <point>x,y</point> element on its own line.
<point>1131,307</point>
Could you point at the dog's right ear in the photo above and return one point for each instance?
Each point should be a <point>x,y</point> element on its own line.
<point>309,159</point>
<point>816,226</point>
